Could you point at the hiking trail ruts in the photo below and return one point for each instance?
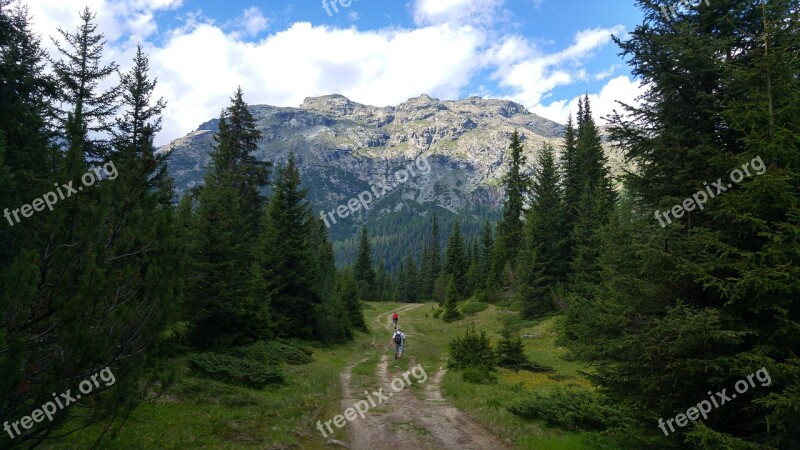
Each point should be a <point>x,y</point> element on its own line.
<point>405,421</point>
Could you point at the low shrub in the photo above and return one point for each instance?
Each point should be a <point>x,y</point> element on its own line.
<point>478,375</point>
<point>471,307</point>
<point>472,350</point>
<point>511,353</point>
<point>274,353</point>
<point>572,408</point>
<point>236,370</point>
<point>437,312</point>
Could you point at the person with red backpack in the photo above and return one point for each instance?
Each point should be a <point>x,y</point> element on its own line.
<point>395,317</point>
<point>399,341</point>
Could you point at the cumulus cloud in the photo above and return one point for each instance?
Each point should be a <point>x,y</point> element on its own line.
<point>621,89</point>
<point>129,19</point>
<point>531,74</point>
<point>199,63</point>
<point>381,67</point>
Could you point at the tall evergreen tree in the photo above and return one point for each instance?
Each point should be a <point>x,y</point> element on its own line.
<point>456,261</point>
<point>510,229</point>
<point>431,261</point>
<point>94,283</point>
<point>236,142</point>
<point>284,255</point>
<point>485,255</point>
<point>364,269</point>
<point>86,108</point>
<point>718,283</point>
<point>544,215</point>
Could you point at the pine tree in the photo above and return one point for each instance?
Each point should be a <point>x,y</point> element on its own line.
<point>81,72</point>
<point>544,216</point>
<point>456,261</point>
<point>382,282</point>
<point>411,279</point>
<point>509,229</point>
<point>485,255</point>
<point>348,295</point>
<point>364,269</point>
<point>236,141</point>
<point>451,313</point>
<point>717,284</point>
<point>284,256</point>
<point>431,261</point>
<point>96,277</point>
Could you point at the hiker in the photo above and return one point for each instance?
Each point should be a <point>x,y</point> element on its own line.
<point>395,317</point>
<point>399,340</point>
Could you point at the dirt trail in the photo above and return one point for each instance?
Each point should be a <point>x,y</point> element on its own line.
<point>404,421</point>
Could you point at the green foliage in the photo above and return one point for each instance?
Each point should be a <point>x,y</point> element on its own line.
<point>284,255</point>
<point>456,261</point>
<point>364,269</point>
<point>472,350</point>
<point>572,408</point>
<point>273,353</point>
<point>236,370</point>
<point>509,230</point>
<point>479,375</point>
<point>451,302</point>
<point>472,306</point>
<point>347,293</point>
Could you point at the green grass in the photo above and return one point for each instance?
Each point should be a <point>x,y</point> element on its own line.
<point>201,412</point>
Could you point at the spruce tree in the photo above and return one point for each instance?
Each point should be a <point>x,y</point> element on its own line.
<point>718,284</point>
<point>451,313</point>
<point>364,269</point>
<point>485,255</point>
<point>86,108</point>
<point>97,271</point>
<point>510,229</point>
<point>285,260</point>
<point>456,261</point>
<point>236,142</point>
<point>544,215</point>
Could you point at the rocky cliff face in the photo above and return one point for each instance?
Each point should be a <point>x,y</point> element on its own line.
<point>345,147</point>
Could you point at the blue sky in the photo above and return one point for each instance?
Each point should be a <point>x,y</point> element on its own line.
<point>540,53</point>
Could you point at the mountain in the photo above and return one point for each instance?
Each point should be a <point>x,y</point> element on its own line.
<point>456,151</point>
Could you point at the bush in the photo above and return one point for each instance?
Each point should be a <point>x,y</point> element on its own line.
<point>236,370</point>
<point>471,307</point>
<point>479,375</point>
<point>274,353</point>
<point>472,350</point>
<point>572,408</point>
<point>511,353</point>
<point>437,312</point>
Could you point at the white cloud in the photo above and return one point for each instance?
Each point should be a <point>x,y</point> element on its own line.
<point>531,74</point>
<point>130,19</point>
<point>200,63</point>
<point>475,12</point>
<point>250,24</point>
<point>382,68</point>
<point>603,103</point>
